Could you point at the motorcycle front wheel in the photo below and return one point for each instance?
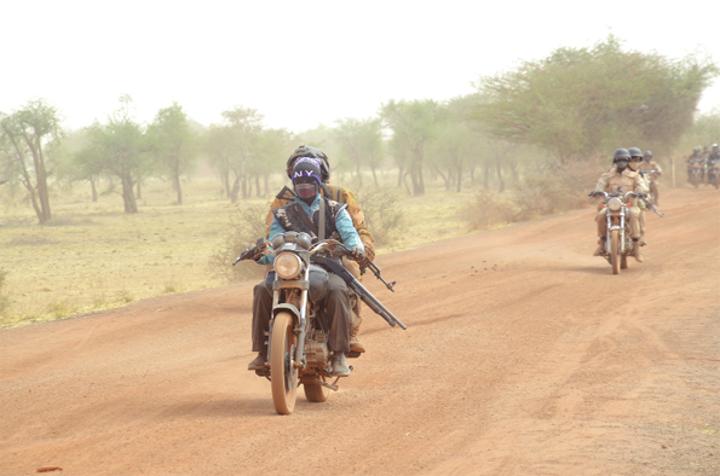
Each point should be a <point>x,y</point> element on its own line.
<point>283,374</point>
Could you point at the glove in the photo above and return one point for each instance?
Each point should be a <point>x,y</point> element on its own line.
<point>359,256</point>
<point>594,193</point>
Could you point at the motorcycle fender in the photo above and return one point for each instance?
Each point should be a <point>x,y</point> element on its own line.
<point>287,307</point>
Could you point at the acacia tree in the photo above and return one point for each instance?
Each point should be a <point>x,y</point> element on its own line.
<point>76,158</point>
<point>173,142</point>
<point>413,126</point>
<point>579,102</point>
<point>360,142</point>
<point>26,134</point>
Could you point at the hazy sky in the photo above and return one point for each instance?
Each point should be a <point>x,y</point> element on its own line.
<point>301,63</point>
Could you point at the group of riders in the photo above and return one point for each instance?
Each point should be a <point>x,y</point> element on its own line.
<point>316,207</point>
<point>632,171</point>
<point>703,166</point>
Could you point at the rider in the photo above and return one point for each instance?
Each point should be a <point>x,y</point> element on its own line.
<point>714,156</point>
<point>302,214</point>
<point>621,179</point>
<point>697,157</point>
<point>635,164</point>
<point>652,171</point>
<point>340,195</point>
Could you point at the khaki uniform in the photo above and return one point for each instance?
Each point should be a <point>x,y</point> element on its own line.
<point>627,181</point>
<point>340,195</point>
<point>651,178</point>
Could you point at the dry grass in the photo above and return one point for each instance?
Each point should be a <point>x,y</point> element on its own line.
<point>94,257</point>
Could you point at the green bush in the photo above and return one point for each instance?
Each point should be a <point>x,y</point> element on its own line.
<point>489,208</point>
<point>246,226</point>
<point>383,215</point>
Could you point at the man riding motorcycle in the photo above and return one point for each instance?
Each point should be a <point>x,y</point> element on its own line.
<point>651,170</point>
<point>310,212</point>
<point>621,179</point>
<point>340,195</point>
<point>696,160</point>
<point>714,156</point>
<point>635,164</point>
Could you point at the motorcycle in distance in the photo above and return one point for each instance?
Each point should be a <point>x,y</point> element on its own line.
<point>298,353</point>
<point>618,243</point>
<point>696,173</point>
<point>713,175</point>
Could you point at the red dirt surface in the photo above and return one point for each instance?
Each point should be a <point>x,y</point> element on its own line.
<point>524,356</point>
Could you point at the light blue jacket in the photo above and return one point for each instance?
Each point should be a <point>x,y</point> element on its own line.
<point>343,224</point>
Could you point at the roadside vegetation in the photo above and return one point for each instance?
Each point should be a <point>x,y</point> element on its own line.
<point>118,211</point>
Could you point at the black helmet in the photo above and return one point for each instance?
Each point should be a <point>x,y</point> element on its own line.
<point>312,152</point>
<point>621,154</point>
<point>648,155</point>
<point>635,152</point>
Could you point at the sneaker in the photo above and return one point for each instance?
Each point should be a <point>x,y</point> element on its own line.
<point>258,363</point>
<point>339,366</point>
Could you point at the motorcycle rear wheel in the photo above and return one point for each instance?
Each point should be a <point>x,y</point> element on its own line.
<point>615,251</point>
<point>283,374</point>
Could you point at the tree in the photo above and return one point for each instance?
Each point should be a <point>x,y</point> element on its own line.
<point>173,142</point>
<point>580,103</point>
<point>76,158</point>
<point>120,149</point>
<point>412,124</point>
<point>361,142</point>
<point>25,135</point>
<point>233,146</point>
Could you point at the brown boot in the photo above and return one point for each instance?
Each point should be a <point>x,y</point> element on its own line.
<point>355,320</point>
<point>258,363</point>
<point>636,250</point>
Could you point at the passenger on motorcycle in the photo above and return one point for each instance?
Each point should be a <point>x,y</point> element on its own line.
<point>635,164</point>
<point>652,171</point>
<point>621,179</point>
<point>714,156</point>
<point>340,195</point>
<point>303,214</point>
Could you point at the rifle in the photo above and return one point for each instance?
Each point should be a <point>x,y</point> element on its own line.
<point>651,206</point>
<point>376,271</point>
<point>362,292</point>
<point>254,253</point>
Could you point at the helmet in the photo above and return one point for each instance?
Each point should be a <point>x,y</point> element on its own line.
<point>635,152</point>
<point>308,151</point>
<point>648,155</point>
<point>621,154</point>
<point>697,149</point>
<point>714,146</point>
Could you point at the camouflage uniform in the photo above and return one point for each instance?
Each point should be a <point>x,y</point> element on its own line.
<point>627,181</point>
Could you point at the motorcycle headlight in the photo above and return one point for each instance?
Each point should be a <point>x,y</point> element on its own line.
<point>287,265</point>
<point>614,204</point>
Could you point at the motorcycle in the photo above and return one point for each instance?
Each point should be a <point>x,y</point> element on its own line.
<point>696,173</point>
<point>618,242</point>
<point>713,175</point>
<point>297,340</point>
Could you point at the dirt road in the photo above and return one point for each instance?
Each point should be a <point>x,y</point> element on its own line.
<point>524,356</point>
